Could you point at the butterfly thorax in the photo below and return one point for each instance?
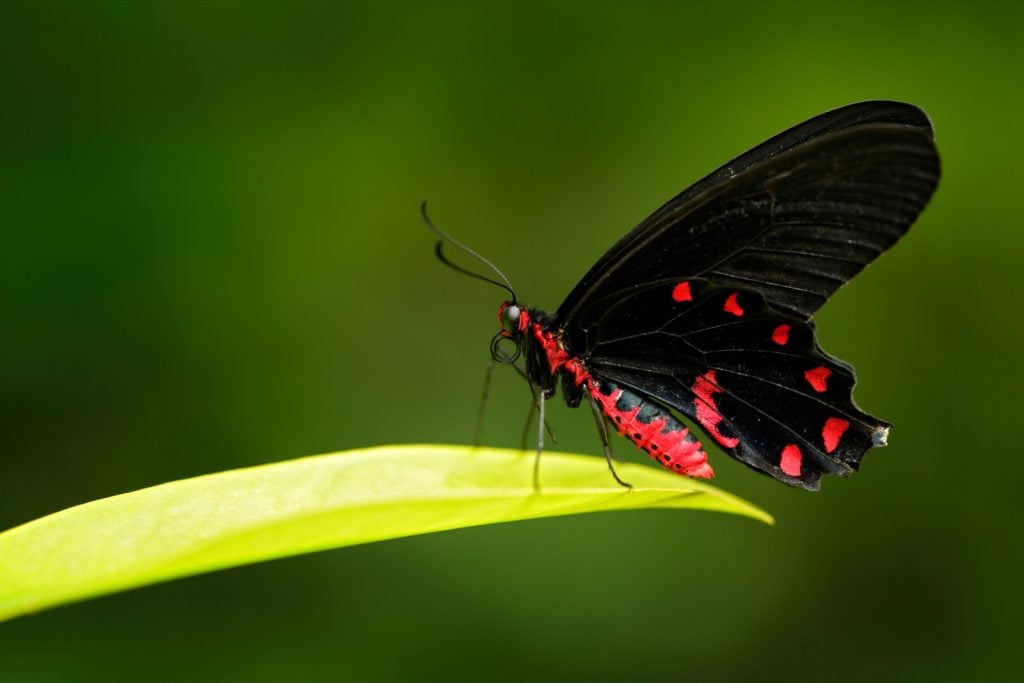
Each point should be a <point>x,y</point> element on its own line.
<point>649,425</point>
<point>546,353</point>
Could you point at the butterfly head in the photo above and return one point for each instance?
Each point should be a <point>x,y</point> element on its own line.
<point>513,319</point>
<point>507,345</point>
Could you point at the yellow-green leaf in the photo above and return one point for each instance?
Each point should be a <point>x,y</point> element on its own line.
<point>299,506</point>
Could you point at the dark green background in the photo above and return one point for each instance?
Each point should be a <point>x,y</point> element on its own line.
<point>210,257</point>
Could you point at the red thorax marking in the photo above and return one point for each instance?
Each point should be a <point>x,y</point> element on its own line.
<point>682,292</point>
<point>781,335</point>
<point>558,357</point>
<point>704,388</point>
<point>833,430</point>
<point>818,378</point>
<point>792,460</point>
<point>732,304</point>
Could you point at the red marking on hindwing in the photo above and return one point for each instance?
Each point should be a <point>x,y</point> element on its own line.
<point>704,388</point>
<point>792,460</point>
<point>732,304</point>
<point>833,430</point>
<point>818,378</point>
<point>781,335</point>
<point>681,292</point>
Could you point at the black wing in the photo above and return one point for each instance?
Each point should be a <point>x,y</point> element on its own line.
<point>754,379</point>
<point>794,218</point>
<point>706,305</point>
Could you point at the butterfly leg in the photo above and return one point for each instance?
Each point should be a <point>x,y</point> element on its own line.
<point>540,442</point>
<point>485,394</point>
<point>533,406</point>
<point>526,426</point>
<point>483,404</point>
<point>602,429</point>
<point>537,403</point>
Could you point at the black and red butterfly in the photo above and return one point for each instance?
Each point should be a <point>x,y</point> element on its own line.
<point>706,306</point>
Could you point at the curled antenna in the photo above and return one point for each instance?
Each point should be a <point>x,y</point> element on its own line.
<point>445,237</point>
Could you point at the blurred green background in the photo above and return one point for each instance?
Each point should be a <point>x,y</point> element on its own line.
<point>211,257</point>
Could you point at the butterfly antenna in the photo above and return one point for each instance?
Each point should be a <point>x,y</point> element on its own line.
<point>439,251</point>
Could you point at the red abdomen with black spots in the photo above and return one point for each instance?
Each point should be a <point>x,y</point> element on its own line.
<point>652,428</point>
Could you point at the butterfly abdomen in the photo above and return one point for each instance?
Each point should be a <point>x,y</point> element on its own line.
<point>652,428</point>
<point>648,425</point>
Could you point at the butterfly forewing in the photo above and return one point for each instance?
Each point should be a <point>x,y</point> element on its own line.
<point>793,219</point>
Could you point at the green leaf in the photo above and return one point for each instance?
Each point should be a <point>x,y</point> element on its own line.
<point>299,506</point>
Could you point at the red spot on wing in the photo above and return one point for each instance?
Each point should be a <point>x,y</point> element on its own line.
<point>792,460</point>
<point>682,292</point>
<point>732,304</point>
<point>704,388</point>
<point>833,431</point>
<point>818,378</point>
<point>781,335</point>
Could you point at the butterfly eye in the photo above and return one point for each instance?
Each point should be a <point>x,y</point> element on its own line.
<point>510,319</point>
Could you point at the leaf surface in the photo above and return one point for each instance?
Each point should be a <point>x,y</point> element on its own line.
<point>299,506</point>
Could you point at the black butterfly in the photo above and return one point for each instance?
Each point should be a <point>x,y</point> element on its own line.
<point>705,307</point>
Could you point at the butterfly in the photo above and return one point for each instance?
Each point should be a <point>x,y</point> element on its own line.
<point>706,308</point>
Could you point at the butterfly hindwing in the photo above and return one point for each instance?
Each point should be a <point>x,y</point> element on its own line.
<point>752,378</point>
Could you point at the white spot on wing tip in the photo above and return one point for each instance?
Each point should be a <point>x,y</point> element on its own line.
<point>881,437</point>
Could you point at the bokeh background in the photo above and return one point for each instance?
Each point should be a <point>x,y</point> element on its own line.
<point>210,257</point>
